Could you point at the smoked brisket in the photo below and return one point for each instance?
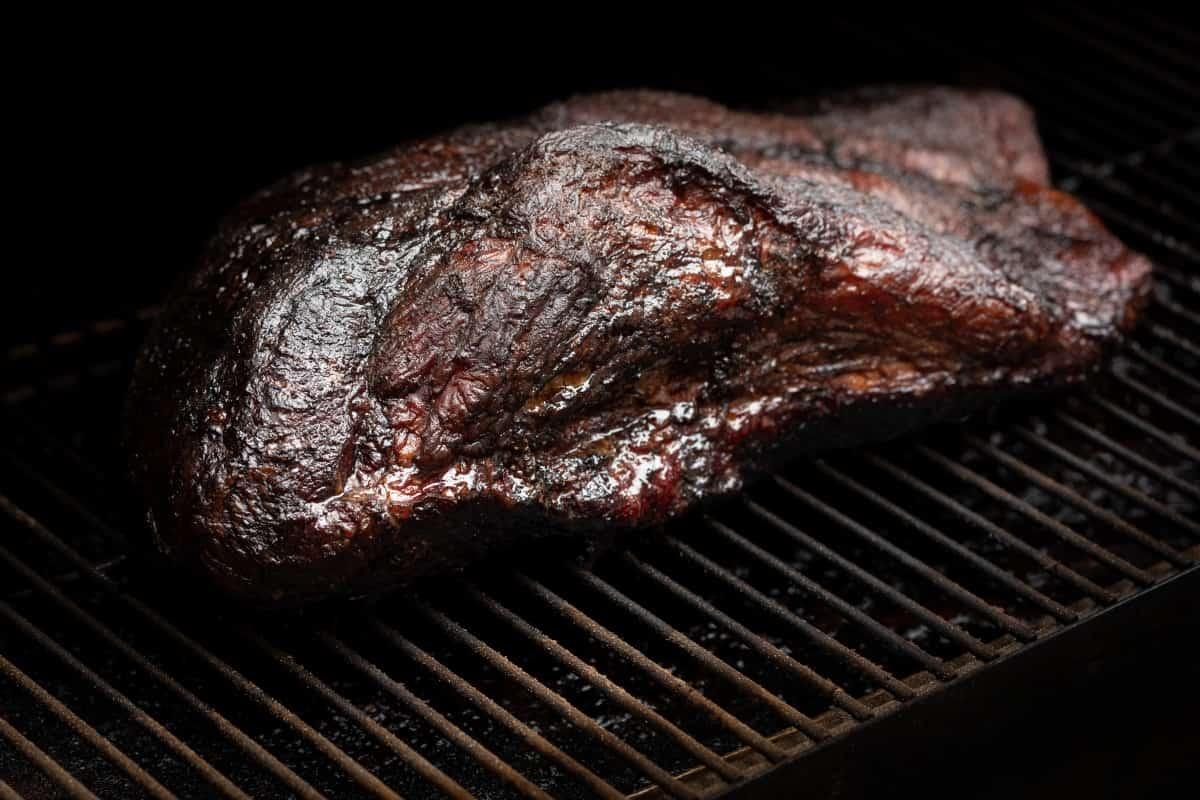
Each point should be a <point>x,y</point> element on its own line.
<point>594,318</point>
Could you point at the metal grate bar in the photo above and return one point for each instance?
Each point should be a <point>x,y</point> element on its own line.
<point>1076,136</point>
<point>164,736</point>
<point>718,665</point>
<point>1163,367</point>
<point>1046,562</point>
<point>1129,492</point>
<point>381,734</point>
<point>1179,283</point>
<point>1119,39</point>
<point>1173,338</point>
<point>1168,28</point>
<point>672,683</point>
<point>500,662</point>
<point>1183,449</point>
<point>1138,88</point>
<point>1123,189</point>
<point>1097,158</point>
<point>480,700</point>
<point>1059,101</point>
<point>1070,496</point>
<point>1165,304</point>
<point>935,621</point>
<point>1130,456</point>
<point>609,687</point>
<point>882,633</point>
<point>103,632</point>
<point>1142,390</point>
<point>1140,228</point>
<point>83,730</point>
<point>1033,85</point>
<point>1010,581</point>
<point>276,709</point>
<point>950,587</point>
<point>31,428</point>
<point>51,768</point>
<point>7,792</point>
<point>1025,509</point>
<point>483,756</point>
<point>765,648</point>
<point>1165,187</point>
<point>1160,76</point>
<point>1172,54</point>
<point>1187,168</point>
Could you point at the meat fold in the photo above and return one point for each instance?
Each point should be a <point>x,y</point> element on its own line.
<point>594,318</point>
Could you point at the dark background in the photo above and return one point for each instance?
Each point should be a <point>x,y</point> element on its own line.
<point>134,150</point>
<point>134,145</point>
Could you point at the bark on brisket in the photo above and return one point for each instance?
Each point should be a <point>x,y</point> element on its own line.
<point>597,317</point>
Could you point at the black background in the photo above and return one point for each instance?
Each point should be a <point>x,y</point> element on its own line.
<point>133,144</point>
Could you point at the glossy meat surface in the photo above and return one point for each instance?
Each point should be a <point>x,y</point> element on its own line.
<point>597,317</point>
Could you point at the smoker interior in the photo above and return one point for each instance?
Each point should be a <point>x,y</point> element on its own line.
<point>885,600</point>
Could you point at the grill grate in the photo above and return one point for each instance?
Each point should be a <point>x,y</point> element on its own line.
<point>829,598</point>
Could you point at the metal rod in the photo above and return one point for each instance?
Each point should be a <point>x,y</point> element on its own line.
<point>509,669</point>
<point>1135,87</point>
<point>249,689</point>
<point>1130,456</point>
<point>1060,530</point>
<point>610,688</point>
<point>667,680</point>
<point>1145,391</point>
<point>1157,237</point>
<point>27,425</point>
<point>1159,75</point>
<point>1129,492</point>
<point>395,744</point>
<point>489,706</point>
<point>943,583</point>
<point>1007,579</point>
<point>1061,99</point>
<point>1148,204</point>
<point>1163,367</point>
<point>1046,562</point>
<point>1166,27</point>
<point>881,632</point>
<point>267,761</point>
<point>1061,103</point>
<point>1165,304</point>
<point>1185,166</point>
<point>774,654</point>
<point>1172,338</point>
<point>113,754</point>
<point>1071,497</point>
<point>1147,428</point>
<point>219,782</point>
<point>716,664</point>
<point>1179,283</point>
<point>51,768</point>
<point>1082,141</point>
<point>901,600</point>
<point>1169,188</point>
<point>483,756</point>
<point>1180,58</point>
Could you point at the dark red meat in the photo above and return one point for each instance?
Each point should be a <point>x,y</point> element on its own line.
<point>597,317</point>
